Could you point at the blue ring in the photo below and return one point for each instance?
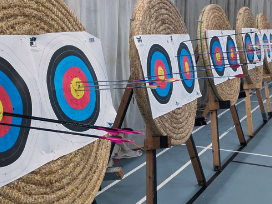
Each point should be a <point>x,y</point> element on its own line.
<point>267,46</point>
<point>159,56</point>
<point>8,141</point>
<point>250,57</point>
<point>230,42</point>
<point>188,82</point>
<point>220,69</point>
<point>63,66</point>
<point>259,54</point>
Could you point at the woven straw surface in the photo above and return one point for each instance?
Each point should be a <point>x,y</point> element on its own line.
<point>263,23</point>
<point>212,17</point>
<point>76,177</point>
<point>159,17</point>
<point>245,19</point>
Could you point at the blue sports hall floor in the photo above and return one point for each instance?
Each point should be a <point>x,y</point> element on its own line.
<point>247,178</point>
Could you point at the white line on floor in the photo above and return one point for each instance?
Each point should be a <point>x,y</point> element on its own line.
<point>189,162</point>
<point>240,152</point>
<point>160,153</point>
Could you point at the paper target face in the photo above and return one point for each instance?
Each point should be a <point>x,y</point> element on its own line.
<point>231,53</point>
<point>248,47</point>
<point>19,94</point>
<point>270,41</point>
<point>186,67</point>
<point>71,66</point>
<point>266,45</point>
<point>69,69</point>
<point>258,47</point>
<point>159,68</point>
<point>14,98</point>
<point>163,57</point>
<point>217,56</point>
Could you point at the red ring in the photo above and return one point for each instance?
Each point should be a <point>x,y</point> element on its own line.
<point>218,50</point>
<point>69,75</point>
<point>187,74</point>
<point>159,63</point>
<point>235,56</point>
<point>7,106</point>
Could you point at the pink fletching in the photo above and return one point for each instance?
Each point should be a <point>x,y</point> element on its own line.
<point>116,140</point>
<point>240,75</point>
<point>113,132</point>
<point>235,66</point>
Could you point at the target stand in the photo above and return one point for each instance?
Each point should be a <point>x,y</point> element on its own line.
<point>151,144</point>
<point>258,87</point>
<point>266,80</point>
<point>212,107</point>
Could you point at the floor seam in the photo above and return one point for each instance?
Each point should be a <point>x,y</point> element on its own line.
<point>253,164</point>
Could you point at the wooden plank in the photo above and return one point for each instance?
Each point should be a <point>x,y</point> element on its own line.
<point>259,96</point>
<point>215,141</point>
<point>266,78</point>
<point>114,173</point>
<point>248,113</point>
<point>122,110</point>
<point>252,86</point>
<point>238,126</point>
<point>205,112</point>
<point>267,97</point>
<point>200,177</point>
<point>156,143</point>
<point>151,178</point>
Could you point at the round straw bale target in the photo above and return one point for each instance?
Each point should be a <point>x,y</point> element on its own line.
<point>76,177</point>
<point>245,19</point>
<point>213,17</point>
<point>263,23</point>
<point>159,17</point>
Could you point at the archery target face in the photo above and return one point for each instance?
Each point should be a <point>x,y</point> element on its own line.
<point>232,53</point>
<point>249,47</point>
<point>68,72</point>
<point>70,68</point>
<point>18,94</point>
<point>183,50</point>
<point>217,56</point>
<point>248,41</point>
<point>14,98</point>
<point>186,67</point>
<point>270,40</point>
<point>266,44</point>
<point>258,46</point>
<point>156,57</point>
<point>232,56</point>
<point>160,68</point>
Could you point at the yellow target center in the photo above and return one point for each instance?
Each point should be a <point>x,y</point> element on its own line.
<point>231,53</point>
<point>1,111</point>
<point>218,56</point>
<point>77,88</point>
<point>161,73</point>
<point>187,68</point>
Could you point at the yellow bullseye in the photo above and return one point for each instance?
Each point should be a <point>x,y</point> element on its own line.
<point>1,111</point>
<point>231,53</point>
<point>161,73</point>
<point>187,68</point>
<point>218,56</point>
<point>76,84</point>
